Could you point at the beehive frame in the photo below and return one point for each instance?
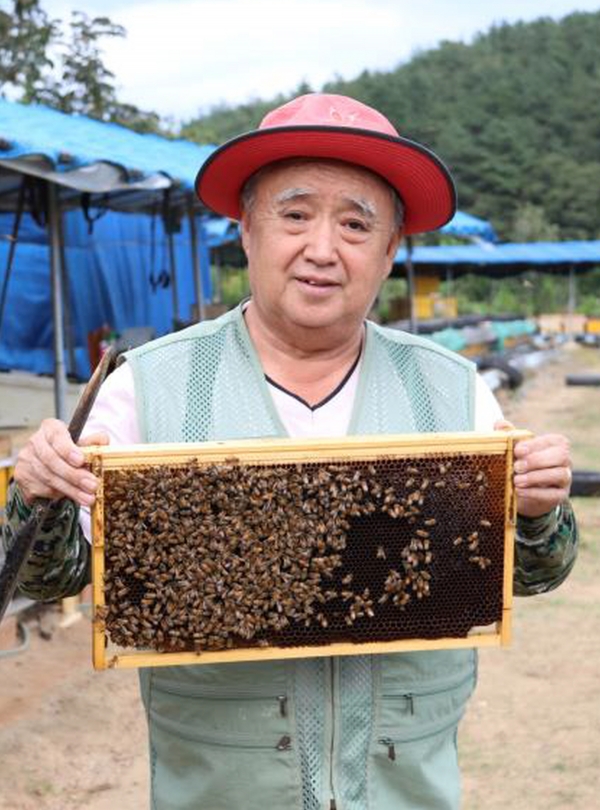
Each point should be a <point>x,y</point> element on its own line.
<point>400,449</point>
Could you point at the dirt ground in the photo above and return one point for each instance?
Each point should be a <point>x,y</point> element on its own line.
<point>73,739</point>
<point>531,738</point>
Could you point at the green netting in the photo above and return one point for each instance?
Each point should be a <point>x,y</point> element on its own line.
<point>510,329</point>
<point>451,339</point>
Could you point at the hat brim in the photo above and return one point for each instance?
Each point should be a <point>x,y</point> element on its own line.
<point>418,175</point>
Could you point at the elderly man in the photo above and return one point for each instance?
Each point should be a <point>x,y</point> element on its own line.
<point>324,189</point>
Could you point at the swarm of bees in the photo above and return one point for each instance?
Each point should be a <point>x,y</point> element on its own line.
<point>230,555</point>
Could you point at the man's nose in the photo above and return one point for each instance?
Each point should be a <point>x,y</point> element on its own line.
<point>321,243</point>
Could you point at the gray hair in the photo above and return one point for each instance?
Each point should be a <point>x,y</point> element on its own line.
<point>248,192</point>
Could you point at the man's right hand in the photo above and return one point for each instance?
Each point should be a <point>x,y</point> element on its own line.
<point>50,465</point>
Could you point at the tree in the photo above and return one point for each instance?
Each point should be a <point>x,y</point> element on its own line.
<point>26,35</point>
<point>513,115</point>
<point>531,225</point>
<point>41,63</point>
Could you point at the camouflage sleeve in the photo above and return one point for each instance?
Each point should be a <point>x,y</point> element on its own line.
<point>545,550</point>
<point>59,563</point>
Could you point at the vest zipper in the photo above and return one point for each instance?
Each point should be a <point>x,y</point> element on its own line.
<point>248,694</point>
<point>410,697</point>
<point>331,663</point>
<point>247,741</point>
<point>390,742</point>
<point>439,689</point>
<point>217,693</point>
<point>284,744</point>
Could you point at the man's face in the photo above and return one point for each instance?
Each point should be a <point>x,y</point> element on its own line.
<point>320,239</point>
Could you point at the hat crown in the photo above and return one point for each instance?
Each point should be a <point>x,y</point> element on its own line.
<point>328,110</point>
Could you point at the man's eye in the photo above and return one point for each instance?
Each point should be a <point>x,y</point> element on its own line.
<point>294,216</point>
<point>356,225</point>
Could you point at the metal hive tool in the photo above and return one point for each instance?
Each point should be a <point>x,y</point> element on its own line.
<point>274,548</point>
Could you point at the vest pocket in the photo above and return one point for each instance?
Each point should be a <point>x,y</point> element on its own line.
<point>413,761</point>
<point>421,773</point>
<point>222,753</point>
<point>417,711</point>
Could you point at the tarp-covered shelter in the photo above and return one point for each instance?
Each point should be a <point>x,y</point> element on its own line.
<point>117,278</point>
<point>498,260</point>
<point>120,169</point>
<point>51,163</point>
<point>466,225</point>
<point>505,259</point>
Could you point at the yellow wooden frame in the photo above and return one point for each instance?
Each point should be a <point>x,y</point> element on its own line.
<point>270,451</point>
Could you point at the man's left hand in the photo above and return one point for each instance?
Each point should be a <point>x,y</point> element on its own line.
<point>542,472</point>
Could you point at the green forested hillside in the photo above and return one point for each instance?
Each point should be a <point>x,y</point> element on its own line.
<point>515,114</point>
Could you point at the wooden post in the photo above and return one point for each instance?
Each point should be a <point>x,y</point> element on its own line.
<point>410,277</point>
<point>70,611</point>
<point>201,312</point>
<point>572,304</point>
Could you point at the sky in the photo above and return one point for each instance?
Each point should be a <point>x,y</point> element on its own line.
<point>181,57</point>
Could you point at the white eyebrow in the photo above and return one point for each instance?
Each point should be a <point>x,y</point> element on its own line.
<point>291,194</point>
<point>365,207</point>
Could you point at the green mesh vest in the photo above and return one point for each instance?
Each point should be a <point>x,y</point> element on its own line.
<point>370,732</point>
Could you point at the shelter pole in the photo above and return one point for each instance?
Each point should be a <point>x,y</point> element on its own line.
<point>410,277</point>
<point>66,291</point>
<point>572,299</point>
<point>449,291</point>
<point>60,381</point>
<point>173,274</point>
<point>196,264</point>
<point>11,250</point>
<point>218,280</point>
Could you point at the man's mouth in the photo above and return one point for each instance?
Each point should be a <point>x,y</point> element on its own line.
<point>317,282</point>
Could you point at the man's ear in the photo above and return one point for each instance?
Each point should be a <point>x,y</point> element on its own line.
<point>392,249</point>
<point>245,232</point>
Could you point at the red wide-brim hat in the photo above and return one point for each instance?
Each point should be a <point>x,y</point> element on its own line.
<point>320,125</point>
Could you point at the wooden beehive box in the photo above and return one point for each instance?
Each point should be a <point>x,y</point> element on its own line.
<point>275,548</point>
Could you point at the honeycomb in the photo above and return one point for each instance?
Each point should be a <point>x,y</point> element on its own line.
<point>202,557</point>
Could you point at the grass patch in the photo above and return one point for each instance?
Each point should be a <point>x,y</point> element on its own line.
<point>41,788</point>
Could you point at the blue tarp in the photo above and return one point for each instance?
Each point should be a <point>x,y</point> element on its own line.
<point>220,231</point>
<point>118,276</point>
<point>509,253</point>
<point>37,130</point>
<point>463,224</point>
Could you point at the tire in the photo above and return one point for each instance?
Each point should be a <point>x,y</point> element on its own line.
<point>513,376</point>
<point>582,379</point>
<point>585,484</point>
